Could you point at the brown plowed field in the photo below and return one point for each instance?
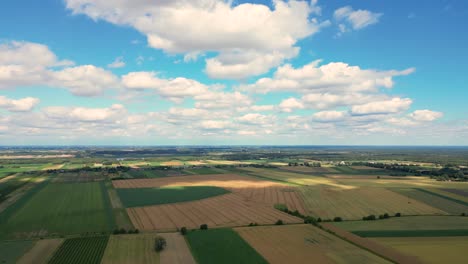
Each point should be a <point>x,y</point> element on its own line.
<point>303,244</point>
<point>373,246</point>
<point>221,211</point>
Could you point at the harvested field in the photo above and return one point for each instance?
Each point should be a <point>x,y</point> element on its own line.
<point>430,249</point>
<point>135,197</point>
<point>202,171</point>
<point>377,248</point>
<point>196,162</point>
<point>436,201</point>
<point>123,249</point>
<point>176,251</point>
<point>289,196</point>
<point>221,211</point>
<point>228,181</point>
<point>42,252</point>
<point>328,203</point>
<point>221,246</point>
<point>459,192</point>
<point>297,243</point>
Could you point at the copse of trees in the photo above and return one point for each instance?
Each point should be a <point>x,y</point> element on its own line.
<point>203,227</point>
<point>159,243</point>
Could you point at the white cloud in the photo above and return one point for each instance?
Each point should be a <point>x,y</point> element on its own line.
<point>82,114</point>
<point>357,19</point>
<point>117,63</point>
<point>26,64</point>
<point>19,105</point>
<point>329,116</point>
<point>425,115</point>
<point>395,105</point>
<point>219,26</point>
<point>288,105</point>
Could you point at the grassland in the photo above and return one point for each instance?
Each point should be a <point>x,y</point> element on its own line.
<point>221,246</point>
<point>298,243</point>
<point>153,196</point>
<point>82,250</point>
<point>11,251</point>
<point>69,208</point>
<point>437,201</point>
<point>431,249</point>
<point>123,249</point>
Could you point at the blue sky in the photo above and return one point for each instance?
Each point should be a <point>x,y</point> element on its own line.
<point>242,72</point>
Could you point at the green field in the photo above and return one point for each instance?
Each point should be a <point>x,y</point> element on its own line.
<point>412,226</point>
<point>134,197</point>
<point>131,249</point>
<point>221,246</point>
<point>65,208</point>
<point>85,250</point>
<point>11,251</point>
<point>435,200</point>
<point>202,171</point>
<point>352,171</point>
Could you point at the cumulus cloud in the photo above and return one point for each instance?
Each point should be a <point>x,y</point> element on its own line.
<point>329,116</point>
<point>117,63</point>
<point>290,104</point>
<point>395,105</point>
<point>19,105</point>
<point>354,19</point>
<point>82,114</point>
<point>26,64</point>
<point>266,36</point>
<point>425,115</point>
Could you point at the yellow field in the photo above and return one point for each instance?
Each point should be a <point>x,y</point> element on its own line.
<point>130,249</point>
<point>303,243</point>
<point>350,204</point>
<point>408,182</point>
<point>176,251</point>
<point>431,249</point>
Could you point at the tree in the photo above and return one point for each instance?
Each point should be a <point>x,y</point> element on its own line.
<point>159,243</point>
<point>337,219</point>
<point>183,231</point>
<point>279,222</point>
<point>204,227</point>
<point>397,214</point>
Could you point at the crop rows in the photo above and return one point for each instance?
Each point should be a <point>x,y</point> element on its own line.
<point>86,250</point>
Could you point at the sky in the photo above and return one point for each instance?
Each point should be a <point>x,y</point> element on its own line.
<point>212,72</point>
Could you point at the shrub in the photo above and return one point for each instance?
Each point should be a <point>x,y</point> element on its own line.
<point>386,216</point>
<point>369,218</point>
<point>319,220</point>
<point>397,214</point>
<point>279,222</point>
<point>337,219</point>
<point>136,231</point>
<point>309,220</point>
<point>381,216</point>
<point>183,231</point>
<point>204,227</point>
<point>463,214</point>
<point>159,243</point>
<point>122,231</point>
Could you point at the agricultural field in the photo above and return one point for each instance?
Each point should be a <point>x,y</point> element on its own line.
<point>221,246</point>
<point>221,211</point>
<point>176,251</point>
<point>82,207</point>
<point>41,252</point>
<point>81,250</point>
<point>135,197</point>
<point>353,204</point>
<point>409,226</point>
<point>137,248</point>
<point>11,251</point>
<point>296,243</point>
<point>202,171</point>
<point>443,203</point>
<point>430,249</point>
<point>309,170</point>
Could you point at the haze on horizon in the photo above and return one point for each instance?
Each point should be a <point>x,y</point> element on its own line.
<point>211,72</point>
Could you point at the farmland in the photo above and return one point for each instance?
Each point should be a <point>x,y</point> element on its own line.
<point>82,207</point>
<point>123,249</point>
<point>295,243</point>
<point>109,205</point>
<point>221,246</point>
<point>86,250</point>
<point>431,249</point>
<point>153,196</point>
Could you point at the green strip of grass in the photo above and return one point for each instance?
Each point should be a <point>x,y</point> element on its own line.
<point>153,196</point>
<point>443,196</point>
<point>107,205</point>
<point>412,233</point>
<point>221,246</point>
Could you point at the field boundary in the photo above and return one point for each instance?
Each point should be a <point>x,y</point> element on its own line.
<point>411,233</point>
<point>443,196</point>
